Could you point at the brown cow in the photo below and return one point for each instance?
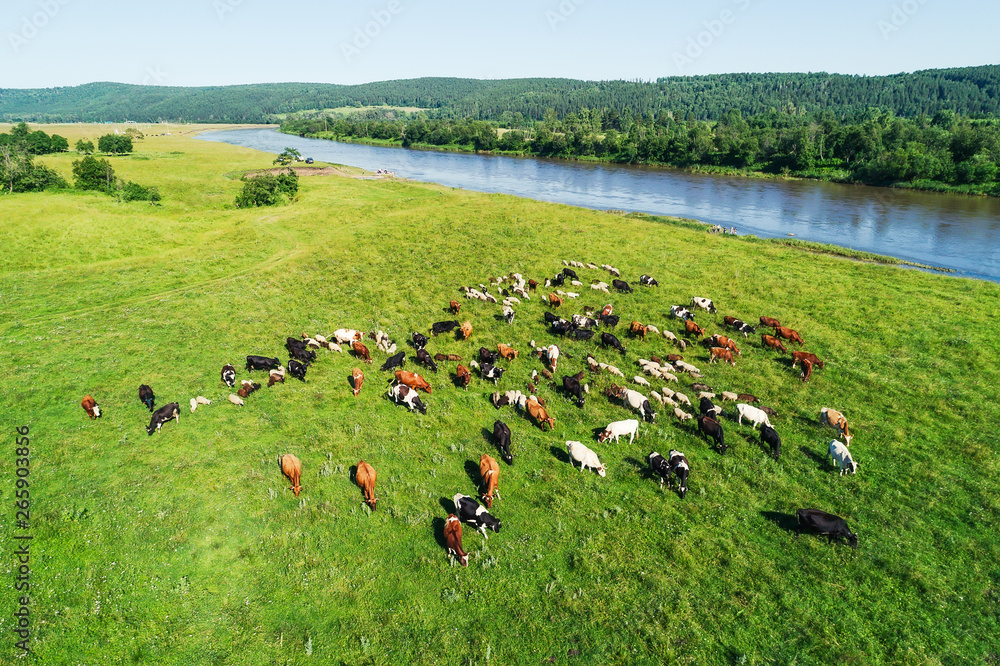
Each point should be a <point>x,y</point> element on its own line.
<point>413,380</point>
<point>788,334</point>
<point>674,357</point>
<point>693,328</point>
<point>361,351</point>
<point>357,379</point>
<point>509,353</point>
<point>607,310</point>
<point>464,376</point>
<point>453,539</point>
<point>465,330</point>
<point>365,478</point>
<point>724,354</point>
<point>490,471</point>
<point>554,300</point>
<point>637,330</point>
<point>726,343</point>
<point>747,397</point>
<point>447,357</point>
<point>540,415</point>
<point>835,419</point>
<point>770,322</point>
<point>455,306</point>
<point>772,342</point>
<point>532,285</point>
<point>799,355</point>
<point>807,370</point>
<point>292,468</point>
<point>91,407</point>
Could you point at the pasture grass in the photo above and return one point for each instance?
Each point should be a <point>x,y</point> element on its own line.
<point>188,547</point>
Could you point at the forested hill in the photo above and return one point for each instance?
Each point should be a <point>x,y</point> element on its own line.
<point>970,91</point>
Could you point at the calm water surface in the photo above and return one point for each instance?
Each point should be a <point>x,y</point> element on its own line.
<point>957,232</point>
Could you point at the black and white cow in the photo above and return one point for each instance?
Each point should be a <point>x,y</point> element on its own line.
<point>648,281</point>
<point>622,286</point>
<point>404,395</point>
<point>260,363</point>
<point>444,326</point>
<point>659,467</point>
<point>709,408</point>
<point>419,340</point>
<point>229,375</point>
<point>397,360</point>
<point>584,322</point>
<point>147,397</point>
<point>297,370</point>
<point>424,358</point>
<point>703,303</point>
<point>162,415</point>
<point>491,372</point>
<point>681,312</point>
<point>501,437</point>
<point>680,468</point>
<point>769,436</point>
<point>834,527</point>
<point>472,513</point>
<point>609,340</point>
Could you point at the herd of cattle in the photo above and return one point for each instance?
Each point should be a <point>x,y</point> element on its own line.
<point>672,470</point>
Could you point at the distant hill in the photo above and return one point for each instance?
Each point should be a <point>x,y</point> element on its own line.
<point>972,91</point>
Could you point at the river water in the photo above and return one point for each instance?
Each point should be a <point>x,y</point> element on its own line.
<point>946,230</point>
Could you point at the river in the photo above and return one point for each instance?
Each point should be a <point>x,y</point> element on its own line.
<point>951,231</point>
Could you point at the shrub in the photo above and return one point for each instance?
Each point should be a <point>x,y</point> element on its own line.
<point>136,192</point>
<point>266,190</point>
<point>91,173</point>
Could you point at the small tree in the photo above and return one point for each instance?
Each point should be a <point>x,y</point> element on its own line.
<point>114,144</point>
<point>91,173</point>
<point>85,147</point>
<point>258,191</point>
<point>59,144</point>
<point>287,157</point>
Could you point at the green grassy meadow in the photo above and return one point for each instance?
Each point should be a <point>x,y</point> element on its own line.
<point>187,547</point>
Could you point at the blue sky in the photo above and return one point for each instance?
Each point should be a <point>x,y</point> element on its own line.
<point>218,42</point>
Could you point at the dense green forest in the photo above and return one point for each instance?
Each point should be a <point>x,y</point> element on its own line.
<point>969,91</point>
<point>945,151</point>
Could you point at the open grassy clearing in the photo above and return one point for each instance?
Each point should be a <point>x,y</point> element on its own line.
<point>187,546</point>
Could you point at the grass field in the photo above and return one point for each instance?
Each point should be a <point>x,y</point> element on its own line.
<point>187,547</point>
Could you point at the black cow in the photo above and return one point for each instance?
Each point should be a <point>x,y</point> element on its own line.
<point>229,375</point>
<point>571,384</point>
<point>397,360</point>
<point>769,436</point>
<point>834,527</point>
<point>549,317</point>
<point>648,281</point>
<point>501,437</point>
<point>444,326</point>
<point>608,320</point>
<point>709,408</point>
<point>659,466</point>
<point>558,280</point>
<point>424,358</point>
<point>711,428</point>
<point>679,466</point>
<point>622,286</point>
<point>561,327</point>
<point>490,371</point>
<point>487,356</point>
<point>471,512</point>
<point>570,273</point>
<point>261,363</point>
<point>298,349</point>
<point>147,397</point>
<point>580,334</point>
<point>297,370</point>
<point>162,415</point>
<point>609,340</point>
<point>419,340</point>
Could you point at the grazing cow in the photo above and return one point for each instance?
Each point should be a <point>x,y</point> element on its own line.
<point>194,405</point>
<point>491,372</point>
<point>345,336</point>
<point>636,401</point>
<point>260,363</point>
<point>637,330</point>
<point>570,273</point>
<point>769,436</point>
<point>247,388</point>
<point>711,428</point>
<point>554,300</point>
<point>724,354</point>
<point>357,379</point>
<point>365,478</point>
<point>455,306</point>
<point>585,456</point>
<point>726,343</point>
<point>447,357</point>
<point>507,352</point>
<point>558,280</point>
<point>659,467</point>
<point>146,396</point>
<point>681,414</point>
<point>834,527</point>
<point>836,420</point>
<point>501,437</point>
<point>291,467</point>
<point>419,340</point>
<point>424,358</point>
<point>228,375</point>
<point>842,456</point>
<point>772,342</point>
<point>508,314</point>
<point>708,408</point>
<point>607,310</point>
<point>616,429</point>
<point>404,395</point>
<point>753,414</point>
<point>552,355</point>
<point>235,399</point>
<point>678,464</point>
<point>91,407</point>
<point>788,334</point>
<point>162,415</point>
<point>397,360</point>
<point>770,322</point>
<point>453,539</point>
<point>807,370</point>
<point>537,412</point>
<point>487,356</point>
<point>471,512</point>
<point>532,285</point>
<point>609,340</point>
<point>298,349</point>
<point>681,312</point>
<point>798,356</point>
<point>729,395</point>
<point>584,322</point>
<point>648,281</point>
<point>489,470</point>
<point>580,334</point>
<point>275,377</point>
<point>360,351</point>
<point>703,303</point>
<point>439,327</point>
<point>749,398</point>
<point>692,328</point>
<point>298,370</point>
<point>463,376</point>
<point>465,330</point>
<point>413,380</point>
<point>572,386</point>
<point>739,325</point>
<point>621,286</point>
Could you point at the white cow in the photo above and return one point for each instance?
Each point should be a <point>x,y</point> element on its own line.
<point>754,415</point>
<point>552,353</point>
<point>641,381</point>
<point>627,427</point>
<point>639,402</point>
<point>842,456</point>
<point>586,457</point>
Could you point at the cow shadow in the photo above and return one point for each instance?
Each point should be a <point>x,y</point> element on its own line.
<point>448,505</point>
<point>755,441</point>
<point>437,524</point>
<point>596,432</point>
<point>813,456</point>
<point>559,453</point>
<point>786,521</point>
<point>353,472</point>
<point>472,471</point>
<point>641,468</point>
<point>487,435</point>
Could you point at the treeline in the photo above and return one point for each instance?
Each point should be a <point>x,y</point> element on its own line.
<point>18,171</point>
<point>969,91</point>
<point>876,147</point>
